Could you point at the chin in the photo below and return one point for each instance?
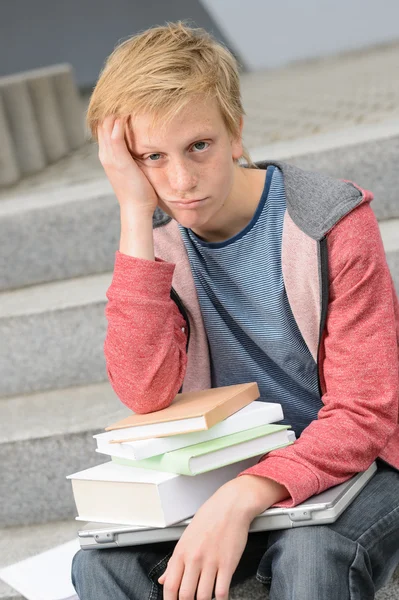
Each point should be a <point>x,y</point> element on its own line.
<point>182,216</point>
<point>188,221</point>
<point>191,219</point>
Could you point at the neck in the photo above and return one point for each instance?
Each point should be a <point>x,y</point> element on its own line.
<point>239,207</point>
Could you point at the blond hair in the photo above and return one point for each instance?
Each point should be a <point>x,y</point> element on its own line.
<point>158,71</point>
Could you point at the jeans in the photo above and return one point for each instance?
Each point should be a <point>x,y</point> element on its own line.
<point>350,559</point>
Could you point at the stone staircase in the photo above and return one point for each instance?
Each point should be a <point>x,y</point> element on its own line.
<point>59,230</point>
<point>57,249</point>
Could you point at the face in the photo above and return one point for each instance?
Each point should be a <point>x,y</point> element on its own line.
<point>189,162</point>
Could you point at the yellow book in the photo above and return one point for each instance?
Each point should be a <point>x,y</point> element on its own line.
<point>189,411</point>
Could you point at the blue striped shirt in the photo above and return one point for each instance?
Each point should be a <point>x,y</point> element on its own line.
<point>252,333</point>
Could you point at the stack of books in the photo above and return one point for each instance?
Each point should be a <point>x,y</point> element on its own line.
<point>164,465</point>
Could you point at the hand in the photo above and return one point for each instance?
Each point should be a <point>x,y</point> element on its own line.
<point>128,181</point>
<point>208,552</point>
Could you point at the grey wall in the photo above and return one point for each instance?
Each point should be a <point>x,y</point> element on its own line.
<point>270,33</point>
<point>263,33</point>
<point>36,33</point>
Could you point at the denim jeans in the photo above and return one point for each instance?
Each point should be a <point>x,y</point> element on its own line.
<point>347,560</point>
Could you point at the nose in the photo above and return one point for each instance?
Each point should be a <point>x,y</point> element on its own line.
<point>182,178</point>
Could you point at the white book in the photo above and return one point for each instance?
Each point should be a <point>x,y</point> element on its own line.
<point>111,493</point>
<point>252,415</point>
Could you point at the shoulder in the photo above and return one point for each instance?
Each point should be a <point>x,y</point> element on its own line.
<point>355,241</point>
<point>315,201</point>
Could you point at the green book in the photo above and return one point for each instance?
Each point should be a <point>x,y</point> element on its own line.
<point>217,453</point>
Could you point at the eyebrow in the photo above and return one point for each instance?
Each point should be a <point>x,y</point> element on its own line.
<point>200,136</point>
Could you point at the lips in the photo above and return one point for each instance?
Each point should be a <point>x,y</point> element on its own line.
<point>188,202</point>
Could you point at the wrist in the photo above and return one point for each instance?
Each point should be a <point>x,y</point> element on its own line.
<point>136,237</point>
<point>259,494</point>
<point>131,214</point>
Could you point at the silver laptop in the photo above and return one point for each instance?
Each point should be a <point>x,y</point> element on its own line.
<point>317,510</point>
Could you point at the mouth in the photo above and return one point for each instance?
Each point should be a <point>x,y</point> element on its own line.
<point>189,203</point>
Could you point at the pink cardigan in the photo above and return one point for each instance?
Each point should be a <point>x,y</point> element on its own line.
<point>356,351</point>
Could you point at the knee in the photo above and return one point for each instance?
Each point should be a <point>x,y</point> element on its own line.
<point>86,565</point>
<point>317,562</point>
<point>309,550</point>
<point>117,572</point>
<point>80,566</point>
<point>307,541</point>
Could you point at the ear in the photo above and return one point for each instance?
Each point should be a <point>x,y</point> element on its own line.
<point>236,144</point>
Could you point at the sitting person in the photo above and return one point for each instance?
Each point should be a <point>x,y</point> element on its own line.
<point>230,272</point>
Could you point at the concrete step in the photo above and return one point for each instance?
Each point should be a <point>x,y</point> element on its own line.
<point>67,224</point>
<point>55,331</point>
<point>55,334</point>
<point>47,437</point>
<point>57,234</point>
<point>18,543</point>
<point>365,155</point>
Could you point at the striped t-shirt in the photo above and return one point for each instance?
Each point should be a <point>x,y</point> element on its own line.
<point>252,333</point>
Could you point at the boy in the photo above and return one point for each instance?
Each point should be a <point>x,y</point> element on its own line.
<point>279,276</point>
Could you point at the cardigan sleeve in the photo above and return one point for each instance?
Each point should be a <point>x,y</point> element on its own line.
<point>358,366</point>
<point>145,344</point>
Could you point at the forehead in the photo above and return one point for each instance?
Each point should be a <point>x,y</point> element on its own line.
<point>197,118</point>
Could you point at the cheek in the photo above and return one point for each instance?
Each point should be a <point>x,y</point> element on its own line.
<point>222,175</point>
<point>153,175</point>
<point>156,177</point>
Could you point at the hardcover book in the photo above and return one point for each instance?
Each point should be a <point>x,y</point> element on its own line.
<point>111,493</point>
<point>189,411</point>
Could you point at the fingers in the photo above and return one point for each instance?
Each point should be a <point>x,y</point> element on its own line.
<point>111,141</point>
<point>223,582</point>
<point>118,130</point>
<point>129,134</point>
<point>189,582</point>
<point>104,132</point>
<point>104,137</point>
<point>112,128</point>
<point>171,580</point>
<point>206,583</point>
<point>194,581</point>
<point>107,126</point>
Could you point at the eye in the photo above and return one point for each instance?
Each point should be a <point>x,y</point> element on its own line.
<point>203,146</point>
<point>150,157</point>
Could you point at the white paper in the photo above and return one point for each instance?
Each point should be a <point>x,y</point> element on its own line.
<point>46,576</point>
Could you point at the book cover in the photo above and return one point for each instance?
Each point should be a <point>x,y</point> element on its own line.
<point>189,411</point>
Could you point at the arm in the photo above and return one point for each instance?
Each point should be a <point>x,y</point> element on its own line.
<point>211,546</point>
<point>145,342</point>
<point>145,345</point>
<point>358,365</point>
